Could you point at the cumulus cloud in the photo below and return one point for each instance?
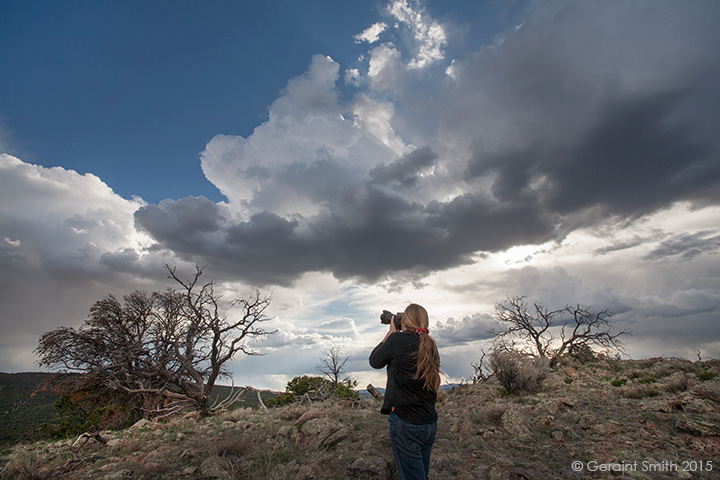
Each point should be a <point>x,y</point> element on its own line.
<point>372,33</point>
<point>57,220</point>
<point>68,241</point>
<point>385,67</point>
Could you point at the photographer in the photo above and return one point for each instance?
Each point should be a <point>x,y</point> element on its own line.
<point>413,379</point>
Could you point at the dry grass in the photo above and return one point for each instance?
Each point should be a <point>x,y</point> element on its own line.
<point>483,433</point>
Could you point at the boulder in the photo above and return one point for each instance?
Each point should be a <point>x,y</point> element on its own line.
<point>309,415</point>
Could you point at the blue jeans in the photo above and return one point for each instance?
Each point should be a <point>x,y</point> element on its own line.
<point>411,446</point>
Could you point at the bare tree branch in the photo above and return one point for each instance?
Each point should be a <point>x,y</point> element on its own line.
<point>551,333</point>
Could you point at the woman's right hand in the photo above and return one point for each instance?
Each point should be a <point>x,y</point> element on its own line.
<point>392,325</point>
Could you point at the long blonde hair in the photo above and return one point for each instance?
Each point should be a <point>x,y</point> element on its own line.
<point>415,319</point>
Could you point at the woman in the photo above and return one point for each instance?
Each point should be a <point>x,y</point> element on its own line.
<point>413,379</point>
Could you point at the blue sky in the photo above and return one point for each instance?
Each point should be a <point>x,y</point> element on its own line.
<point>132,91</point>
<point>351,157</point>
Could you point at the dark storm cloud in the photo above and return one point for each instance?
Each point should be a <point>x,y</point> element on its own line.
<point>180,224</point>
<point>607,106</point>
<point>366,233</point>
<point>633,161</point>
<point>405,170</point>
<point>623,245</point>
<point>686,246</point>
<point>634,158</point>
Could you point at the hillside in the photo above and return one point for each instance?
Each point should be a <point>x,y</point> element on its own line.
<point>22,408</point>
<point>649,419</point>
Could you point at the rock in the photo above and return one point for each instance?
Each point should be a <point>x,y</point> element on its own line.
<point>464,426</point>
<point>514,422</point>
<point>370,467</point>
<point>227,425</point>
<point>318,430</point>
<point>607,428</point>
<point>310,414</point>
<point>682,402</point>
<point>699,424</point>
<point>551,406</point>
<point>114,442</point>
<point>709,390</point>
<point>586,421</point>
<point>142,423</point>
<point>88,439</point>
<point>335,437</point>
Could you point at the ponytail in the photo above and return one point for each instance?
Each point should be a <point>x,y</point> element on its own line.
<point>416,320</point>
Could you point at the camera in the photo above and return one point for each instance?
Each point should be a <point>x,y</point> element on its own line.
<point>386,317</point>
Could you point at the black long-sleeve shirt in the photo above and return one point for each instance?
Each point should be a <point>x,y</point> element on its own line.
<point>405,395</point>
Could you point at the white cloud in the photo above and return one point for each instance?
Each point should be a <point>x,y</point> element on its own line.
<point>60,219</point>
<point>305,151</point>
<point>69,241</point>
<point>352,76</point>
<point>428,34</point>
<point>372,33</point>
<point>385,67</point>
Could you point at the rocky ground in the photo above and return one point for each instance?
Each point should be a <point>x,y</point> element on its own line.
<point>645,419</point>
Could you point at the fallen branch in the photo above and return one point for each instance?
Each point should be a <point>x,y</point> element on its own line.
<point>232,398</point>
<point>374,391</point>
<point>248,387</point>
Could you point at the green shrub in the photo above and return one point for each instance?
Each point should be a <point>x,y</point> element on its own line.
<point>281,399</point>
<point>706,375</point>
<point>314,387</point>
<point>618,382</point>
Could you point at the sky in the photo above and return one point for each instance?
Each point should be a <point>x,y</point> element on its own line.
<point>350,157</point>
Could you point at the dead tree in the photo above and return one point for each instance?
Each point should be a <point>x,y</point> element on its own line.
<point>479,371</point>
<point>331,366</point>
<point>167,347</point>
<point>551,333</point>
